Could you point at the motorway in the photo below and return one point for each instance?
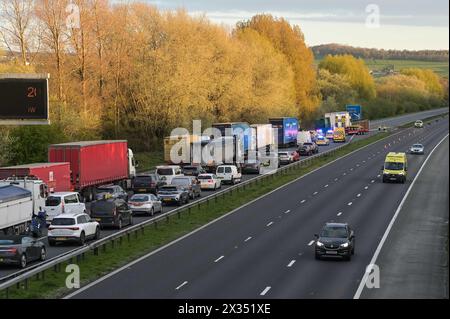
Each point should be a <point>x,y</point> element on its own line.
<point>400,120</point>
<point>6,271</point>
<point>265,248</point>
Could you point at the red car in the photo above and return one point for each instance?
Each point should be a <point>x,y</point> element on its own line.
<point>295,156</point>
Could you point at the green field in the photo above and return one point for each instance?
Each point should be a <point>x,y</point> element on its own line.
<point>441,68</point>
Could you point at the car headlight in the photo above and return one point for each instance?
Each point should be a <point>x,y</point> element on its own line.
<point>319,244</point>
<point>344,245</point>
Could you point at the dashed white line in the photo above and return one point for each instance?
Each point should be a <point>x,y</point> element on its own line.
<point>269,224</point>
<point>248,238</point>
<point>378,175</point>
<point>288,211</point>
<point>339,214</point>
<point>351,169</point>
<point>291,263</point>
<point>218,259</point>
<point>350,203</point>
<point>311,242</point>
<point>366,187</point>
<point>357,165</point>
<point>359,195</point>
<point>326,186</point>
<point>364,161</point>
<point>372,181</point>
<point>303,201</point>
<point>335,179</point>
<point>184,283</point>
<point>315,193</point>
<point>344,174</point>
<point>265,290</point>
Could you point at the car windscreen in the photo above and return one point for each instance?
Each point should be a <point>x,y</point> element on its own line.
<point>53,201</point>
<point>417,145</point>
<point>139,198</point>
<point>164,171</point>
<point>282,154</point>
<point>109,190</point>
<point>169,189</point>
<point>393,166</point>
<point>189,169</point>
<point>205,177</point>
<point>334,232</point>
<point>180,181</point>
<point>102,206</point>
<point>63,221</point>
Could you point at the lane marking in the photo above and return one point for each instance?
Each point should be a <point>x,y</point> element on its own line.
<point>335,179</point>
<point>311,242</point>
<point>344,174</point>
<point>350,204</point>
<point>372,181</point>
<point>315,193</point>
<point>326,186</point>
<point>339,214</point>
<point>359,195</point>
<point>291,263</point>
<point>219,258</point>
<point>366,187</point>
<point>184,283</point>
<point>269,224</point>
<point>265,290</point>
<point>388,229</point>
<point>303,201</point>
<point>351,169</point>
<point>288,211</point>
<point>378,175</point>
<point>248,238</point>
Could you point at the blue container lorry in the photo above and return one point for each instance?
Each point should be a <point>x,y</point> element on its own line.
<point>287,129</point>
<point>240,129</point>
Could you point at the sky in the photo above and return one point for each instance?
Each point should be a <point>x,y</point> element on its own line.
<point>401,24</point>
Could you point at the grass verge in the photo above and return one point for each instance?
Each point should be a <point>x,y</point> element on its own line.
<point>94,266</point>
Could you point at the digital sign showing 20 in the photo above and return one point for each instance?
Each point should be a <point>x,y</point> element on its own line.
<point>23,99</point>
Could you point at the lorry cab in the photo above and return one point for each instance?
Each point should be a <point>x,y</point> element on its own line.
<point>395,167</point>
<point>38,189</point>
<point>132,164</point>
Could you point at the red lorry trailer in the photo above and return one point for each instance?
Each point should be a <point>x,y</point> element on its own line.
<point>95,163</point>
<point>358,128</point>
<point>55,175</point>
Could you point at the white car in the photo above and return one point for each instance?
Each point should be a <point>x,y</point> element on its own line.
<point>145,203</point>
<point>63,203</point>
<point>209,181</point>
<point>418,124</point>
<point>229,174</point>
<point>417,149</point>
<point>72,227</point>
<point>168,172</point>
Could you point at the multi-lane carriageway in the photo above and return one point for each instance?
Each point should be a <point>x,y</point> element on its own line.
<point>265,248</point>
<point>52,252</point>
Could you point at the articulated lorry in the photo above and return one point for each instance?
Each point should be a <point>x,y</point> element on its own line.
<point>19,199</point>
<point>240,129</point>
<point>224,150</point>
<point>286,128</point>
<point>263,140</point>
<point>95,163</point>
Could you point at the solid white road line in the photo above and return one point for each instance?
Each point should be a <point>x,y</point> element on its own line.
<point>291,263</point>
<point>248,238</point>
<point>218,259</point>
<point>265,290</point>
<point>311,242</point>
<point>269,224</point>
<point>388,229</point>
<point>184,283</point>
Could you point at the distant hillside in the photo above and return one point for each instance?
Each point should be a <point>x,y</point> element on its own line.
<point>380,54</point>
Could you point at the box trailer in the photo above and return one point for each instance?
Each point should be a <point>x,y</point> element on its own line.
<point>240,129</point>
<point>94,163</point>
<point>55,175</point>
<point>286,129</point>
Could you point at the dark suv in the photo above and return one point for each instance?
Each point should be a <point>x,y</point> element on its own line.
<point>147,183</point>
<point>190,183</point>
<point>335,240</point>
<point>193,170</point>
<point>111,212</point>
<point>173,194</point>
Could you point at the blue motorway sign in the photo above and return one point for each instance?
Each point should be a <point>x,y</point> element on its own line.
<point>355,112</point>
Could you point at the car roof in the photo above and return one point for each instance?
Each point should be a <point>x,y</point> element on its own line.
<point>336,225</point>
<point>69,215</point>
<point>62,194</point>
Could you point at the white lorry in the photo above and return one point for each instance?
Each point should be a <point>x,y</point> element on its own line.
<point>303,137</point>
<point>19,199</point>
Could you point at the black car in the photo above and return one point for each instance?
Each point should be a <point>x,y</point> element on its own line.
<point>193,170</point>
<point>173,194</point>
<point>148,183</point>
<point>335,240</point>
<point>114,191</point>
<point>190,183</point>
<point>111,212</point>
<point>20,250</point>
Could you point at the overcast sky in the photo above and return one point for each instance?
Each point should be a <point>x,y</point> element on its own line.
<point>404,24</point>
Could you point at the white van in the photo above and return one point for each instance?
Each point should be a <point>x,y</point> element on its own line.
<point>229,174</point>
<point>168,172</point>
<point>63,203</point>
<point>303,137</point>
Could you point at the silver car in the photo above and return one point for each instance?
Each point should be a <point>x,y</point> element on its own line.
<point>417,149</point>
<point>145,203</point>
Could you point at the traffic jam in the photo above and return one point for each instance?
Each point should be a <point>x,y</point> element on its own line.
<point>90,189</point>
